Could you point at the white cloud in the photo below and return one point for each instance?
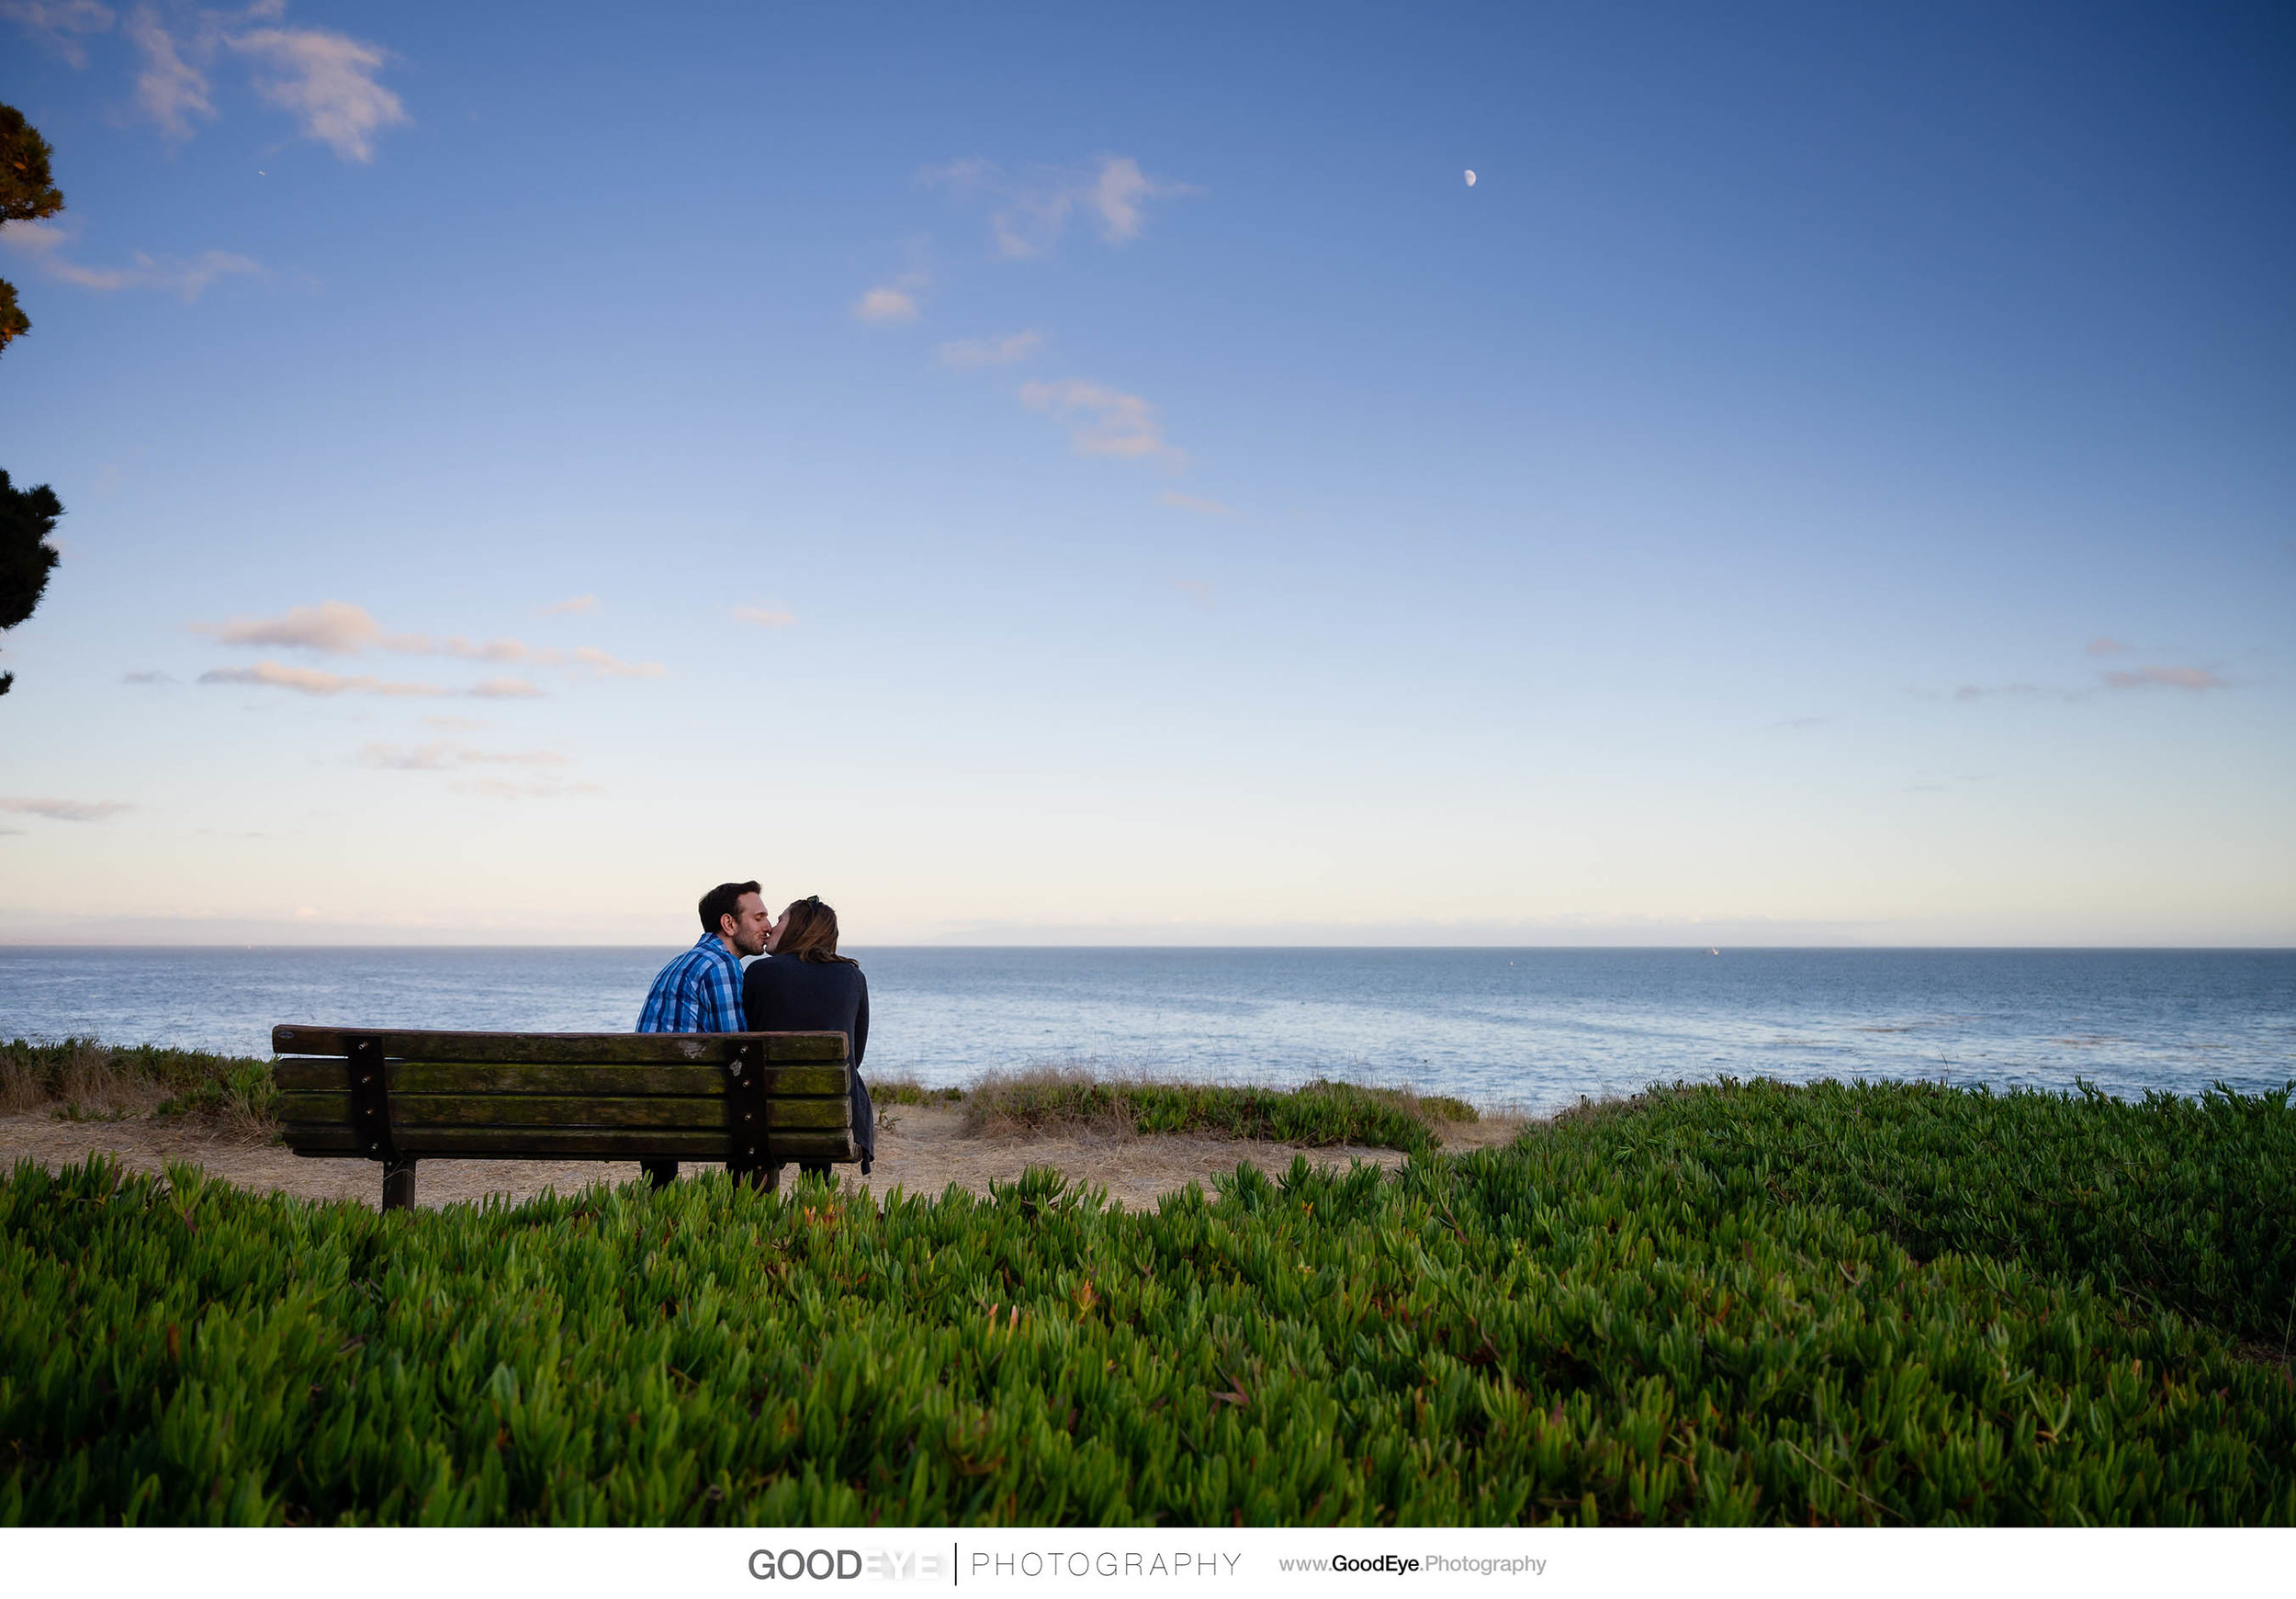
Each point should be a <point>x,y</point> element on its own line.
<point>188,277</point>
<point>325,79</point>
<point>514,649</point>
<point>1192,502</point>
<point>59,23</point>
<point>485,649</point>
<point>327,82</point>
<point>2192,678</point>
<point>149,679</point>
<point>1032,214</point>
<point>2104,644</point>
<point>885,304</point>
<point>329,628</point>
<point>62,810</point>
<point>606,666</point>
<point>965,175</point>
<point>444,754</point>
<point>170,89</point>
<point>1969,692</point>
<point>1030,224</point>
<point>1102,421</point>
<point>304,680</point>
<point>337,628</point>
<point>579,605</point>
<point>765,616</point>
<point>1001,352</point>
<point>1117,195</point>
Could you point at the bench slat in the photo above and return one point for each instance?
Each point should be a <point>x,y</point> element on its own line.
<point>305,1074</point>
<point>560,1048</point>
<point>576,1143</point>
<point>412,1111</point>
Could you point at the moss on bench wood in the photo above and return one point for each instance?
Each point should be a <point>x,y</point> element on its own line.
<point>321,1075</point>
<point>569,1144</point>
<point>755,1102</point>
<point>561,1048</point>
<point>408,1111</point>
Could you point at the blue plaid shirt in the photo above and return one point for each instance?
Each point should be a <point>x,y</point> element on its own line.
<point>698,992</point>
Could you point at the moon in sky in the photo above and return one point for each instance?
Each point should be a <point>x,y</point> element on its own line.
<point>1470,177</point>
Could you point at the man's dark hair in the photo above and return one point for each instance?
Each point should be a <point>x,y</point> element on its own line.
<point>723,900</point>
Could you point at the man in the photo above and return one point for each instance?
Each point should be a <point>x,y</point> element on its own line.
<point>701,990</point>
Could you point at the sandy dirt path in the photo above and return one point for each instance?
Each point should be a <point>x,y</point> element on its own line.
<point>923,1151</point>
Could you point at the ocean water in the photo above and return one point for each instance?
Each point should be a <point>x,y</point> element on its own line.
<point>1532,1027</point>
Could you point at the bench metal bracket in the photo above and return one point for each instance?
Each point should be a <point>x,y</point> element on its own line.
<point>370,1100</point>
<point>746,1111</point>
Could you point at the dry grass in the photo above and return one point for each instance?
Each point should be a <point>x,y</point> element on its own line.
<point>1074,1102</point>
<point>78,1079</point>
<point>23,1085</point>
<point>1070,1101</point>
<point>94,1085</point>
<point>1047,1099</point>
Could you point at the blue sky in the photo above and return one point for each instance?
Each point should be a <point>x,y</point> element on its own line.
<point>1055,476</point>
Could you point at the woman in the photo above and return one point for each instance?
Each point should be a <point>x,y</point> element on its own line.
<point>802,984</point>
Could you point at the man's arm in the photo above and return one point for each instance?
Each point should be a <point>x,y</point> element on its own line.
<point>671,1007</point>
<point>660,1013</point>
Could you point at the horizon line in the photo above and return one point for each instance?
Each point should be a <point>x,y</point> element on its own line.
<point>1698,946</point>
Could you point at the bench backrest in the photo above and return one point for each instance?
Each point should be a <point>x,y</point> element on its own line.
<point>749,1098</point>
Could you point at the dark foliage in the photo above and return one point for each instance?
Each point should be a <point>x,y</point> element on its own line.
<point>27,190</point>
<point>27,517</point>
<point>28,193</point>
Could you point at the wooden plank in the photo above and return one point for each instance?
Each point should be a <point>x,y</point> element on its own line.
<point>305,1074</point>
<point>609,1143</point>
<point>540,1111</point>
<point>327,1109</point>
<point>604,1048</point>
<point>567,1144</point>
<point>411,1111</point>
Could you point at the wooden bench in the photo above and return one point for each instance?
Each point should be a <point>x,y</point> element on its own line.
<point>751,1099</point>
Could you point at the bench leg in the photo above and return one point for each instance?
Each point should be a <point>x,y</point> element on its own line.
<point>660,1174</point>
<point>767,1178</point>
<point>398,1184</point>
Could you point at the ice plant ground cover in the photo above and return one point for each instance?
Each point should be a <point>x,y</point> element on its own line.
<point>1874,1303</point>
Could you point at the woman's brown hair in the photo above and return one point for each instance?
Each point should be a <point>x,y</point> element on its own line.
<point>810,933</point>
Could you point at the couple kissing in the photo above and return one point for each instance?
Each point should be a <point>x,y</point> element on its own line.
<point>796,982</point>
